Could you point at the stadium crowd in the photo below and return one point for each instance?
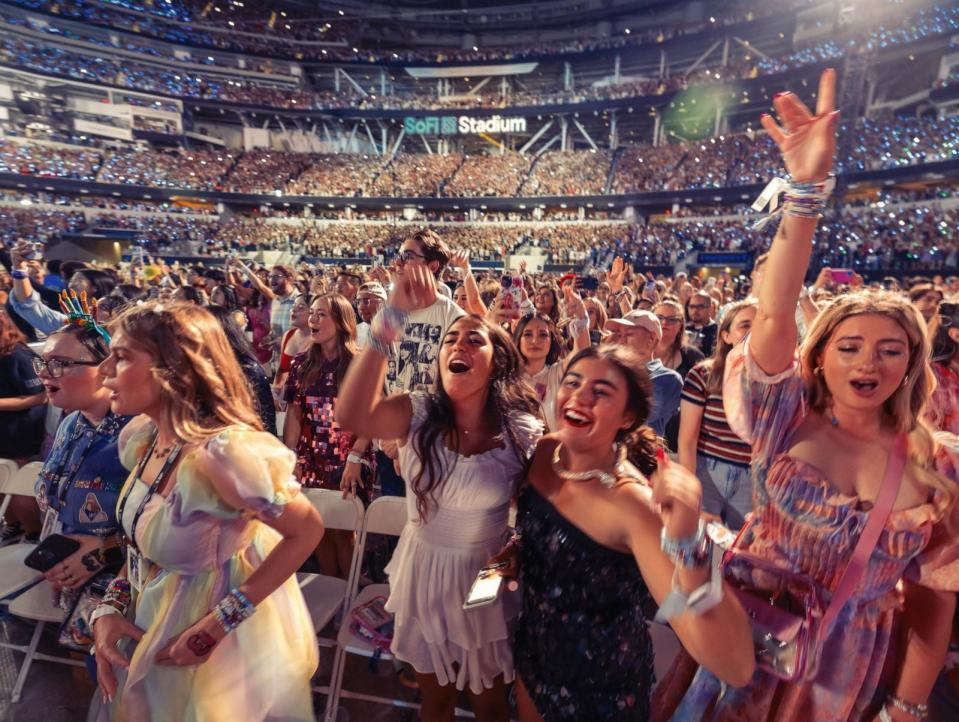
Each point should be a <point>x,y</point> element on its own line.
<point>635,416</point>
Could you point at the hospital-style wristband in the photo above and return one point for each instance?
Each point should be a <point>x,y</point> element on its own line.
<point>800,200</point>
<point>233,609</point>
<point>693,552</point>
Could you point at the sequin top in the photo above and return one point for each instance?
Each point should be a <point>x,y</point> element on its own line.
<point>582,646</point>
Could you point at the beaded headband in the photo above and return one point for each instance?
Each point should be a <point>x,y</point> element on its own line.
<point>80,313</point>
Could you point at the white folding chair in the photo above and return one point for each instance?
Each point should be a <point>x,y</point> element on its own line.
<point>14,575</point>
<point>35,604</point>
<point>8,467</point>
<point>386,515</point>
<point>324,595</point>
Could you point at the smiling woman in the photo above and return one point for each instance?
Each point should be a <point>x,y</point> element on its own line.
<point>463,450</point>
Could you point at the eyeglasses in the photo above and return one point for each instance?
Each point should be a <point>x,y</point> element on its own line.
<point>407,256</point>
<point>669,320</point>
<point>54,367</point>
<point>697,307</point>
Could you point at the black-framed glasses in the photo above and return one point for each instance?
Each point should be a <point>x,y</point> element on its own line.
<point>54,367</point>
<point>407,256</point>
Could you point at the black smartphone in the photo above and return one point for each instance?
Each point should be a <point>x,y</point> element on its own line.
<point>587,283</point>
<point>50,552</point>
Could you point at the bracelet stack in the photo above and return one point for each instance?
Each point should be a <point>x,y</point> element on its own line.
<point>919,711</point>
<point>693,552</point>
<point>799,200</point>
<point>386,327</point>
<point>232,610</point>
<point>116,600</point>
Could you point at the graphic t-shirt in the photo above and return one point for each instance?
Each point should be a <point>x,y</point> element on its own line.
<point>412,362</point>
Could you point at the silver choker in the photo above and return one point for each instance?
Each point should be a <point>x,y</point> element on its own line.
<point>605,478</point>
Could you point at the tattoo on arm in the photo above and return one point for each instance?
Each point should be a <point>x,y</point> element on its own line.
<point>93,561</point>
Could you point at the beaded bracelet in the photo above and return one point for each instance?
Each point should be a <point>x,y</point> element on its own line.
<point>918,710</point>
<point>232,610</point>
<point>117,595</point>
<point>386,327</point>
<point>690,553</point>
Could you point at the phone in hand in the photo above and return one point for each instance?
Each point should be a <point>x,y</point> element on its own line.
<point>842,275</point>
<point>512,292</point>
<point>587,283</point>
<point>50,552</point>
<point>486,587</point>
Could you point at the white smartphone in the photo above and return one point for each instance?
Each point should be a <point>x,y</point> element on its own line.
<point>486,587</point>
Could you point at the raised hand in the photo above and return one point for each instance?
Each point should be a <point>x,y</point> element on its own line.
<point>616,275</point>
<point>807,141</point>
<point>460,259</point>
<point>414,288</point>
<point>679,495</point>
<point>573,302</point>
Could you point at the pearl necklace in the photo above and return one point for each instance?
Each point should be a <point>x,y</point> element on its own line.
<point>605,478</point>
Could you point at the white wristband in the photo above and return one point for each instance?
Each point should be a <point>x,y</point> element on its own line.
<point>102,610</point>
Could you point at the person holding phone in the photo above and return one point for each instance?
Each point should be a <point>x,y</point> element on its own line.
<point>207,614</point>
<point>463,449</point>
<point>80,482</point>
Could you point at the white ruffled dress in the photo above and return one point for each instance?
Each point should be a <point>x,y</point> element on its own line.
<point>436,561</point>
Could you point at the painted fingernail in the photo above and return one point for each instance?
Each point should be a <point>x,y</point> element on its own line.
<point>779,95</point>
<point>660,455</point>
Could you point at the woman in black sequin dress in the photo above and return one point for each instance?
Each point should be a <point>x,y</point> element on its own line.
<point>590,556</point>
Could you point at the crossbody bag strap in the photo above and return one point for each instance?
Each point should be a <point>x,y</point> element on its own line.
<point>870,534</point>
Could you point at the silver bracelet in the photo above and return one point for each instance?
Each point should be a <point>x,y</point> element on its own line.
<point>918,710</point>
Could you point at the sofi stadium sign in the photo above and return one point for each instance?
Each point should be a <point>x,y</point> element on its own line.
<point>463,125</point>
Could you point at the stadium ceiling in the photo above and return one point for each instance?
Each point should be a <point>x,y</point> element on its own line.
<point>487,14</point>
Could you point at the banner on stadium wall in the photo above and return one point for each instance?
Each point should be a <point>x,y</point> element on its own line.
<point>463,125</point>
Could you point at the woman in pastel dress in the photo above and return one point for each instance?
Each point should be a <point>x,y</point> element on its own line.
<point>211,622</point>
<point>822,428</point>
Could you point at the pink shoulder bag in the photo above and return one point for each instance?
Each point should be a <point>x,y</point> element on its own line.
<point>785,607</point>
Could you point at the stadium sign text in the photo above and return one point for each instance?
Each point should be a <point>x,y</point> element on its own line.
<point>463,125</point>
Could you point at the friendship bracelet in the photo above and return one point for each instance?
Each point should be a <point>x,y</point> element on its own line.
<point>918,710</point>
<point>232,610</point>
<point>690,553</point>
<point>804,200</point>
<point>698,601</point>
<point>386,327</point>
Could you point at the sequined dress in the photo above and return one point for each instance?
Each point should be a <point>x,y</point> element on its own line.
<point>805,524</point>
<point>582,645</point>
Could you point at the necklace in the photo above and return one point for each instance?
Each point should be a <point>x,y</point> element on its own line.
<point>605,478</point>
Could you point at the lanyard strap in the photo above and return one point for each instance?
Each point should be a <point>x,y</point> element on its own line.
<point>160,477</point>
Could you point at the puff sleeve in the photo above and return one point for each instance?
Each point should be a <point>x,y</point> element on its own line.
<point>237,472</point>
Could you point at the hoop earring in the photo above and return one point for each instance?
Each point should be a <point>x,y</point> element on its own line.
<point>817,371</point>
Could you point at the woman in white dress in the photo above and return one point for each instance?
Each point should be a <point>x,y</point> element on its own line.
<point>463,451</point>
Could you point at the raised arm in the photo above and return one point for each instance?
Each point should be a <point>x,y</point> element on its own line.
<point>361,407</point>
<point>474,302</point>
<point>808,144</point>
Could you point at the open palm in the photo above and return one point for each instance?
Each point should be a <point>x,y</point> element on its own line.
<point>807,141</point>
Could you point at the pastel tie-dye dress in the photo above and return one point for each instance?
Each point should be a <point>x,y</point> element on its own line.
<point>805,524</point>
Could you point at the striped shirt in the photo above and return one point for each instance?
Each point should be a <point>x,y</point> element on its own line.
<point>716,439</point>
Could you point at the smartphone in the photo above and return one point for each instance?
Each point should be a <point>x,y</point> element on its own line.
<point>841,275</point>
<point>32,253</point>
<point>650,287</point>
<point>513,289</point>
<point>587,283</point>
<point>486,587</point>
<point>50,552</point>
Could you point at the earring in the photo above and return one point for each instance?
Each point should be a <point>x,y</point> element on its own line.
<point>817,371</point>
<point>905,380</point>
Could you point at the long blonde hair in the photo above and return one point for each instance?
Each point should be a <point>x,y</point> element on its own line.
<point>903,412</point>
<point>201,383</point>
<point>717,363</point>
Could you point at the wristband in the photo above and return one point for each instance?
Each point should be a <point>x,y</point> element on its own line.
<point>103,610</point>
<point>698,601</point>
<point>386,327</point>
<point>18,275</point>
<point>689,553</point>
<point>232,610</point>
<point>354,458</point>
<point>116,597</point>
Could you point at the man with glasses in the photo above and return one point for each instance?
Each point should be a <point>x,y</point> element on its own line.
<point>701,330</point>
<point>412,361</point>
<point>348,284</point>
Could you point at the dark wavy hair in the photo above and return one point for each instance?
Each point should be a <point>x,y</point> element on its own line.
<point>555,339</point>
<point>639,442</point>
<point>943,347</point>
<point>509,395</point>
